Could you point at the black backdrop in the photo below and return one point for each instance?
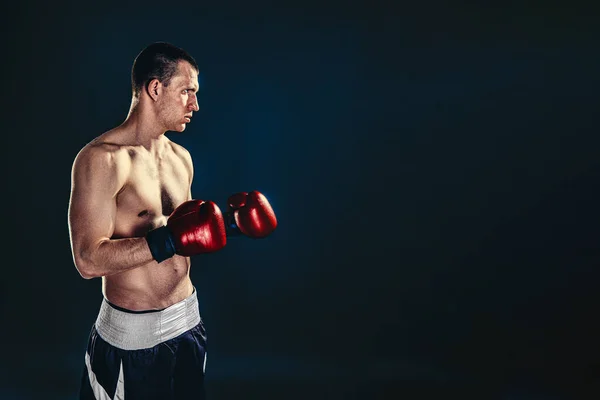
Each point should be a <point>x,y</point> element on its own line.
<point>434,168</point>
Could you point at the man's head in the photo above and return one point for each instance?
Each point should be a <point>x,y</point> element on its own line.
<point>168,76</point>
<point>157,61</point>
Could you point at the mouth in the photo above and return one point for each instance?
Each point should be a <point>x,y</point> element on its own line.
<point>188,119</point>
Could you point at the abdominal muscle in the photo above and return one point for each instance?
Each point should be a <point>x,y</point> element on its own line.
<point>150,287</point>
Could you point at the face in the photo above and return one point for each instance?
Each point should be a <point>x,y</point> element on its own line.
<point>178,101</point>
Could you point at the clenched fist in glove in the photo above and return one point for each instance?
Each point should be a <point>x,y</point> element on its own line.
<point>249,214</point>
<point>195,227</point>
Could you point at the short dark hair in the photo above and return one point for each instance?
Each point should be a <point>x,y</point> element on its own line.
<point>157,61</point>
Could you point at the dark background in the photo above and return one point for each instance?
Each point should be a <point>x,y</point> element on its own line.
<point>434,169</point>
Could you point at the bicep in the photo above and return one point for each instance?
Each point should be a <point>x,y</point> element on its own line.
<point>92,206</point>
<point>191,180</point>
<point>190,168</point>
<point>186,158</point>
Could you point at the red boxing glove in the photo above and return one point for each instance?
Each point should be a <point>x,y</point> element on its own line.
<point>252,214</point>
<point>195,227</point>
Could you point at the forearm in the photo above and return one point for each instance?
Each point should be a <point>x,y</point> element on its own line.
<point>113,256</point>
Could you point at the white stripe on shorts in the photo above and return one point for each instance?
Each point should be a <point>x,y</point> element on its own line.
<point>133,331</point>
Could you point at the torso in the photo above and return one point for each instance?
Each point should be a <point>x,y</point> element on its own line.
<point>153,189</point>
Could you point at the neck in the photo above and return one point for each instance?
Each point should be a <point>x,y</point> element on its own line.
<point>144,127</point>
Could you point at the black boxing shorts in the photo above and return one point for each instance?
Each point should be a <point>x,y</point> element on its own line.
<point>146,355</point>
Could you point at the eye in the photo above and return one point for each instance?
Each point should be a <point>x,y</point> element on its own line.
<point>184,91</point>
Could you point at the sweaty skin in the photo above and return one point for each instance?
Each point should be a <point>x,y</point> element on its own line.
<point>127,182</point>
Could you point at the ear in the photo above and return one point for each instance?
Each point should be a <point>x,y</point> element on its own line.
<point>154,89</point>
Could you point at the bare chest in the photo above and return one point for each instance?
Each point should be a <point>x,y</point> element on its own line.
<point>153,190</point>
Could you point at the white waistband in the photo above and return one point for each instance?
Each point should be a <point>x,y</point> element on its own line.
<point>134,331</point>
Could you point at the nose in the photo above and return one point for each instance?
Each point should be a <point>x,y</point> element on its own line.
<point>193,105</point>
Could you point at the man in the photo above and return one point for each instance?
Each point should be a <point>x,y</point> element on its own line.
<point>133,222</point>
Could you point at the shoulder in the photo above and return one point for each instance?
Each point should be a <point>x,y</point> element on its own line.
<point>101,157</point>
<point>179,150</point>
<point>182,153</point>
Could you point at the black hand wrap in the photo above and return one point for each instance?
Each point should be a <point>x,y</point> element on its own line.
<point>161,243</point>
<point>231,228</point>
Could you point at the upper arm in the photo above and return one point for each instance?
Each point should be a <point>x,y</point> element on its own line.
<point>186,158</point>
<point>95,181</point>
<point>190,167</point>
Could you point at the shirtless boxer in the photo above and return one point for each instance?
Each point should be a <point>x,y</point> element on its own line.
<point>133,223</point>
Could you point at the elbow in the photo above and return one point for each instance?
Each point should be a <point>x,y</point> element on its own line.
<point>86,268</point>
<point>85,273</point>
